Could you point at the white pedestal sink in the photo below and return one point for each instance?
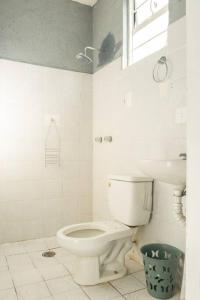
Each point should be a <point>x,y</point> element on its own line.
<point>169,171</point>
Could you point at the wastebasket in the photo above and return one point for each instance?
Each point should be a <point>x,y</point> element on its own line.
<point>161,264</point>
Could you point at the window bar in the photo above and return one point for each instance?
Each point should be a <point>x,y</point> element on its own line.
<point>136,8</point>
<point>155,36</point>
<point>149,19</point>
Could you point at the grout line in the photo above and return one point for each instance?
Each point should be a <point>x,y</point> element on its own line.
<point>130,292</point>
<point>51,294</point>
<point>70,274</point>
<point>14,287</point>
<point>13,254</point>
<point>43,279</point>
<point>10,290</point>
<point>84,292</point>
<point>7,263</point>
<point>140,281</point>
<point>115,288</point>
<point>135,291</point>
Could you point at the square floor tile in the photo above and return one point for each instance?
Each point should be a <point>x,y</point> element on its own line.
<point>5,280</point>
<point>102,291</point>
<point>8,295</point>
<point>53,271</point>
<point>40,261</point>
<point>37,291</point>
<point>61,285</point>
<point>14,248</point>
<point>127,284</point>
<point>27,276</point>
<point>76,294</point>
<point>143,295</point>
<point>140,276</point>
<point>20,261</point>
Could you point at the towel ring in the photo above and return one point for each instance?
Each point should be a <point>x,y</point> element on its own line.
<point>161,64</point>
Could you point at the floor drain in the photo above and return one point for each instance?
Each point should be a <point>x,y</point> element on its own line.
<point>49,254</point>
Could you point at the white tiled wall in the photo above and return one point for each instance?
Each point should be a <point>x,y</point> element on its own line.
<point>35,201</point>
<point>143,128</point>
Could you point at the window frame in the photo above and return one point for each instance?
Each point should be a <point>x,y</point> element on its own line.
<point>132,28</point>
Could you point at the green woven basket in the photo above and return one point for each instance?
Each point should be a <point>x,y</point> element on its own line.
<point>161,264</point>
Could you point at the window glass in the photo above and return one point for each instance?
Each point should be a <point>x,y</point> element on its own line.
<point>148,27</point>
<point>149,48</point>
<point>154,28</point>
<point>143,13</point>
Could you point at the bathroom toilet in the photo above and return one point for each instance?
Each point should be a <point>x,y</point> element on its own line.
<point>100,247</point>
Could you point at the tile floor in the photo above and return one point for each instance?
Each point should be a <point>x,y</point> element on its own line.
<point>26,275</point>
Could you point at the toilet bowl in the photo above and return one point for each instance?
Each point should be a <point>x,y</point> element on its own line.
<point>93,244</point>
<point>100,247</point>
<point>91,239</point>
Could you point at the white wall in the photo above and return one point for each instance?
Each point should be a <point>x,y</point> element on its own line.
<point>146,129</point>
<point>35,201</point>
<point>193,203</point>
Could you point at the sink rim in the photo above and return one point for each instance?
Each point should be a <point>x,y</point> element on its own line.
<point>168,165</point>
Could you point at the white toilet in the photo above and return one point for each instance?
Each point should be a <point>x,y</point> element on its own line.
<point>100,247</point>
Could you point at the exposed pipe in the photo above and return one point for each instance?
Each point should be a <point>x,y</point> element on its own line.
<point>181,218</point>
<point>178,206</point>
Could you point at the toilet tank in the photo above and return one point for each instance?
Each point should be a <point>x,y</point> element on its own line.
<point>130,199</point>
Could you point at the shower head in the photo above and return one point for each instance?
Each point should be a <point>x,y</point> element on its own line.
<point>84,57</point>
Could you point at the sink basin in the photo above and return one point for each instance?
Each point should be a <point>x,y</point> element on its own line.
<point>169,171</point>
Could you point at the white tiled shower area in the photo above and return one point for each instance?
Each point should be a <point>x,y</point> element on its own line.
<point>37,200</point>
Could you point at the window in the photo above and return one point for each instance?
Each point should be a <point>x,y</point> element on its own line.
<point>147,28</point>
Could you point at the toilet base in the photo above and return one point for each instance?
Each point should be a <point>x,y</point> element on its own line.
<point>109,275</point>
<point>88,272</point>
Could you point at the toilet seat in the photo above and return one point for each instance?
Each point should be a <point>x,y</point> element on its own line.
<point>90,239</point>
